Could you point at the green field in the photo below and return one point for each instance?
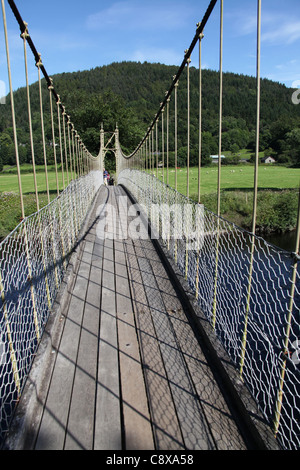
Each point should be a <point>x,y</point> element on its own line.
<point>9,181</point>
<point>239,178</point>
<point>277,198</point>
<point>277,194</point>
<point>10,207</point>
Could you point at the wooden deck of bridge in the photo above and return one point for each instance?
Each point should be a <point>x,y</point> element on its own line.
<point>128,372</point>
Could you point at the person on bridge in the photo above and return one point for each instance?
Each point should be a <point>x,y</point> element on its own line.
<point>105,176</point>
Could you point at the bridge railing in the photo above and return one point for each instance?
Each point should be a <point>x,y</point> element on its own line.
<point>34,257</point>
<point>248,289</point>
<point>214,257</point>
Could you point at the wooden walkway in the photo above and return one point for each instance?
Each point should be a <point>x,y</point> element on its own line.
<point>129,372</point>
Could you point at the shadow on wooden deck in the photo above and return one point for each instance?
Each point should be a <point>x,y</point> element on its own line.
<point>119,365</point>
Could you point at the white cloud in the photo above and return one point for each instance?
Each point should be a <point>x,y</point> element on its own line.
<point>286,72</point>
<point>246,25</point>
<point>137,15</point>
<point>152,54</point>
<point>276,28</point>
<point>286,33</point>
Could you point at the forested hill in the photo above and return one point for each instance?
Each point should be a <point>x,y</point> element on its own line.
<point>130,93</point>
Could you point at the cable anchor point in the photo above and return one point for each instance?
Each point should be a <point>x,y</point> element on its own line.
<point>39,63</point>
<point>25,33</point>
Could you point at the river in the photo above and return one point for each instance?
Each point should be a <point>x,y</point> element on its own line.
<point>286,241</point>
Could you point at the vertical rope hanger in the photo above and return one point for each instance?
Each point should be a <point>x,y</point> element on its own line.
<point>150,152</point>
<point>156,146</point>
<point>24,36</point>
<point>214,310</point>
<point>168,115</point>
<point>201,36</point>
<point>73,149</point>
<point>70,147</point>
<point>153,152</point>
<point>78,156</point>
<point>163,144</point>
<point>50,88</point>
<point>13,110</point>
<point>65,144</point>
<point>13,357</point>
<point>220,110</point>
<point>199,156</point>
<point>58,103</point>
<point>176,129</point>
<point>285,352</point>
<point>188,129</point>
<point>255,190</point>
<point>38,64</point>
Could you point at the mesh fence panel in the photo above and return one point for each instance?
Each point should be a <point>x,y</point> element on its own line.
<point>34,258</point>
<point>217,269</point>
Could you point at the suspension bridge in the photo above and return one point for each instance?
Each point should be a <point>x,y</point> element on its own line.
<point>132,317</point>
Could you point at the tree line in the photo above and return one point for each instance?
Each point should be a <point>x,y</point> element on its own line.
<point>129,94</point>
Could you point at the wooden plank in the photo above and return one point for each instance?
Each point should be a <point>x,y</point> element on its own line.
<point>52,430</point>
<point>108,433</point>
<point>80,430</point>
<point>222,425</point>
<point>102,396</point>
<point>194,427</point>
<point>137,423</point>
<point>166,430</point>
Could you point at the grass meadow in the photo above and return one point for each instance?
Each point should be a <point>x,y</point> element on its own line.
<point>10,208</point>
<point>237,178</point>
<point>277,193</point>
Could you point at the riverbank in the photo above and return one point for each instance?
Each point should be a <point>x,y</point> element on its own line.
<point>277,195</point>
<point>10,209</point>
<point>276,210</point>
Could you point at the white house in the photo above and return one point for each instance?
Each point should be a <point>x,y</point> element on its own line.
<point>215,158</point>
<point>268,160</point>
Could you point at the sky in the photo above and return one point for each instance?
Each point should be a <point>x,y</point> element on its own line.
<point>74,35</point>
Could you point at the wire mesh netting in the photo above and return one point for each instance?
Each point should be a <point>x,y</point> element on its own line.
<point>250,314</point>
<point>34,259</point>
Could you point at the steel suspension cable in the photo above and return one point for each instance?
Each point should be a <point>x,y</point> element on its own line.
<point>199,30</point>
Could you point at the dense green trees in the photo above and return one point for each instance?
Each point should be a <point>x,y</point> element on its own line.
<point>129,94</point>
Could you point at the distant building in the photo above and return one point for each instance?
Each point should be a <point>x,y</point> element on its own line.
<point>215,158</point>
<point>268,160</point>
